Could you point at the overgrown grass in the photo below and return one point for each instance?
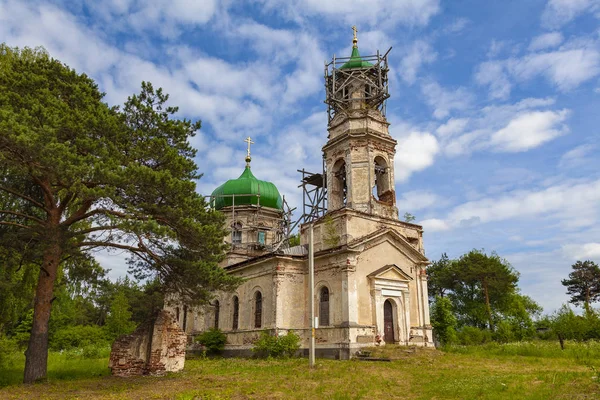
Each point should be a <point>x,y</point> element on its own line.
<point>73,364</point>
<point>518,371</point>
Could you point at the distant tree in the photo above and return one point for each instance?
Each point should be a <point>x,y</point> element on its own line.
<point>81,176</point>
<point>487,279</point>
<point>408,217</point>
<point>294,240</point>
<point>583,284</point>
<point>440,277</point>
<point>443,320</point>
<point>118,321</point>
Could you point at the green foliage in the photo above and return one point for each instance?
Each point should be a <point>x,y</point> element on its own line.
<point>408,217</point>
<point>78,336</point>
<point>7,347</point>
<point>331,236</point>
<point>470,335</point>
<point>443,320</point>
<point>119,320</point>
<point>583,284</point>
<point>294,240</point>
<point>213,340</point>
<point>276,346</point>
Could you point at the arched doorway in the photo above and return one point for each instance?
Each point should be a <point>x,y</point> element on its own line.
<point>388,322</point>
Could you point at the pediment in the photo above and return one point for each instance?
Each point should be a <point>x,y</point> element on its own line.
<point>394,238</point>
<point>390,272</point>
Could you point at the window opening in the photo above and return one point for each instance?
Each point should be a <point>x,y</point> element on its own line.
<point>258,310</point>
<point>217,312</point>
<point>324,307</point>
<point>236,312</point>
<point>236,233</point>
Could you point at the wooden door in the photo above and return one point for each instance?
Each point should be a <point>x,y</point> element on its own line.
<point>388,322</point>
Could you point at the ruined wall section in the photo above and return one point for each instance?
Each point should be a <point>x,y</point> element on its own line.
<point>154,348</point>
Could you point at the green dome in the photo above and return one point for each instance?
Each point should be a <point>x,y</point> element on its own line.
<point>246,184</point>
<point>356,61</point>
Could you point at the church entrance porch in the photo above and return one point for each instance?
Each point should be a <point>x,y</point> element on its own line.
<point>388,322</point>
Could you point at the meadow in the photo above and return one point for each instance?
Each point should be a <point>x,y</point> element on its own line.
<point>537,370</point>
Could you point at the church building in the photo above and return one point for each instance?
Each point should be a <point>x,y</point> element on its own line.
<point>370,280</point>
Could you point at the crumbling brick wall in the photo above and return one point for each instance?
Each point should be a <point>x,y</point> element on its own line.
<point>153,349</point>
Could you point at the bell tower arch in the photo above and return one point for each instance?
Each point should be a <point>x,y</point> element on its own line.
<point>359,154</point>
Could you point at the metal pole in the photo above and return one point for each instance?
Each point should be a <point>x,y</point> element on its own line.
<point>311,293</point>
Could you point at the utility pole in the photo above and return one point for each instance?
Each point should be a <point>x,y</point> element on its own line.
<point>311,294</point>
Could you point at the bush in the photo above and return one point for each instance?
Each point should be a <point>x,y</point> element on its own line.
<point>78,336</point>
<point>470,335</point>
<point>269,345</point>
<point>7,348</point>
<point>213,339</point>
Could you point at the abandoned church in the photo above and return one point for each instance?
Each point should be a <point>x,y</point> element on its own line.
<point>370,283</point>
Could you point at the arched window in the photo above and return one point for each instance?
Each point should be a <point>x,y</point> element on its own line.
<point>324,306</point>
<point>217,311</point>
<point>258,310</point>
<point>339,188</point>
<point>236,312</point>
<point>382,181</point>
<point>236,233</point>
<point>184,317</point>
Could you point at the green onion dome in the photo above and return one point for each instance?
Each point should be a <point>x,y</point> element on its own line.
<point>356,60</point>
<point>247,190</point>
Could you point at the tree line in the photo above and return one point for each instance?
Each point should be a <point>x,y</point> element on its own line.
<point>475,298</point>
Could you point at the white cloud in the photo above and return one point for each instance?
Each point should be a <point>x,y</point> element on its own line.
<point>492,73</point>
<point>566,67</point>
<point>418,200</point>
<point>371,12</point>
<point>434,225</point>
<point>582,251</point>
<point>560,12</point>
<point>574,204</point>
<point>576,156</point>
<point>452,127</point>
<point>545,41</point>
<point>419,53</point>
<point>444,101</point>
<point>415,152</point>
<point>530,130</point>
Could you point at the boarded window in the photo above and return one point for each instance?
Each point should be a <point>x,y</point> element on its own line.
<point>217,311</point>
<point>236,312</point>
<point>236,233</point>
<point>258,310</point>
<point>324,307</point>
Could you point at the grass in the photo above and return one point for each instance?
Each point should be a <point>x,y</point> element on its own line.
<point>515,371</point>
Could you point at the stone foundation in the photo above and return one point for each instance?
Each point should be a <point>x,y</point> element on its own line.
<point>154,348</point>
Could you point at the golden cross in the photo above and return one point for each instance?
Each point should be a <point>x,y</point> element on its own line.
<point>355,40</point>
<point>249,141</point>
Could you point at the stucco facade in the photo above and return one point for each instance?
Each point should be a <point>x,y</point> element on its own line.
<point>370,280</point>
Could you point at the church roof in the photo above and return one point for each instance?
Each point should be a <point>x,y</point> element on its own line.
<point>356,60</point>
<point>247,190</point>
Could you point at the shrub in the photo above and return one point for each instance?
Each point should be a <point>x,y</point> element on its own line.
<point>470,335</point>
<point>78,336</point>
<point>213,339</point>
<point>7,348</point>
<point>269,345</point>
<point>504,333</point>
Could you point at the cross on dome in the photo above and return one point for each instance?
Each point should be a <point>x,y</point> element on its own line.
<point>355,40</point>
<point>248,158</point>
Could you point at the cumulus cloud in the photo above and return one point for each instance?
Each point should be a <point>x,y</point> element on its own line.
<point>418,200</point>
<point>560,12</point>
<point>574,204</point>
<point>545,41</point>
<point>415,152</point>
<point>372,12</point>
<point>417,55</point>
<point>582,252</point>
<point>444,101</point>
<point>566,67</point>
<point>530,130</point>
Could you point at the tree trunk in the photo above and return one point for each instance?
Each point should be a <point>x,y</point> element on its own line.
<point>487,304</point>
<point>36,356</point>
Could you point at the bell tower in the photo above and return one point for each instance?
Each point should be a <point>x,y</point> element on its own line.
<point>359,154</point>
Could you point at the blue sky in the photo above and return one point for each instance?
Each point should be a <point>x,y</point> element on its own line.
<point>495,105</point>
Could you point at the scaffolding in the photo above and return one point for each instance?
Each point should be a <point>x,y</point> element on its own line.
<point>374,75</point>
<point>314,195</point>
